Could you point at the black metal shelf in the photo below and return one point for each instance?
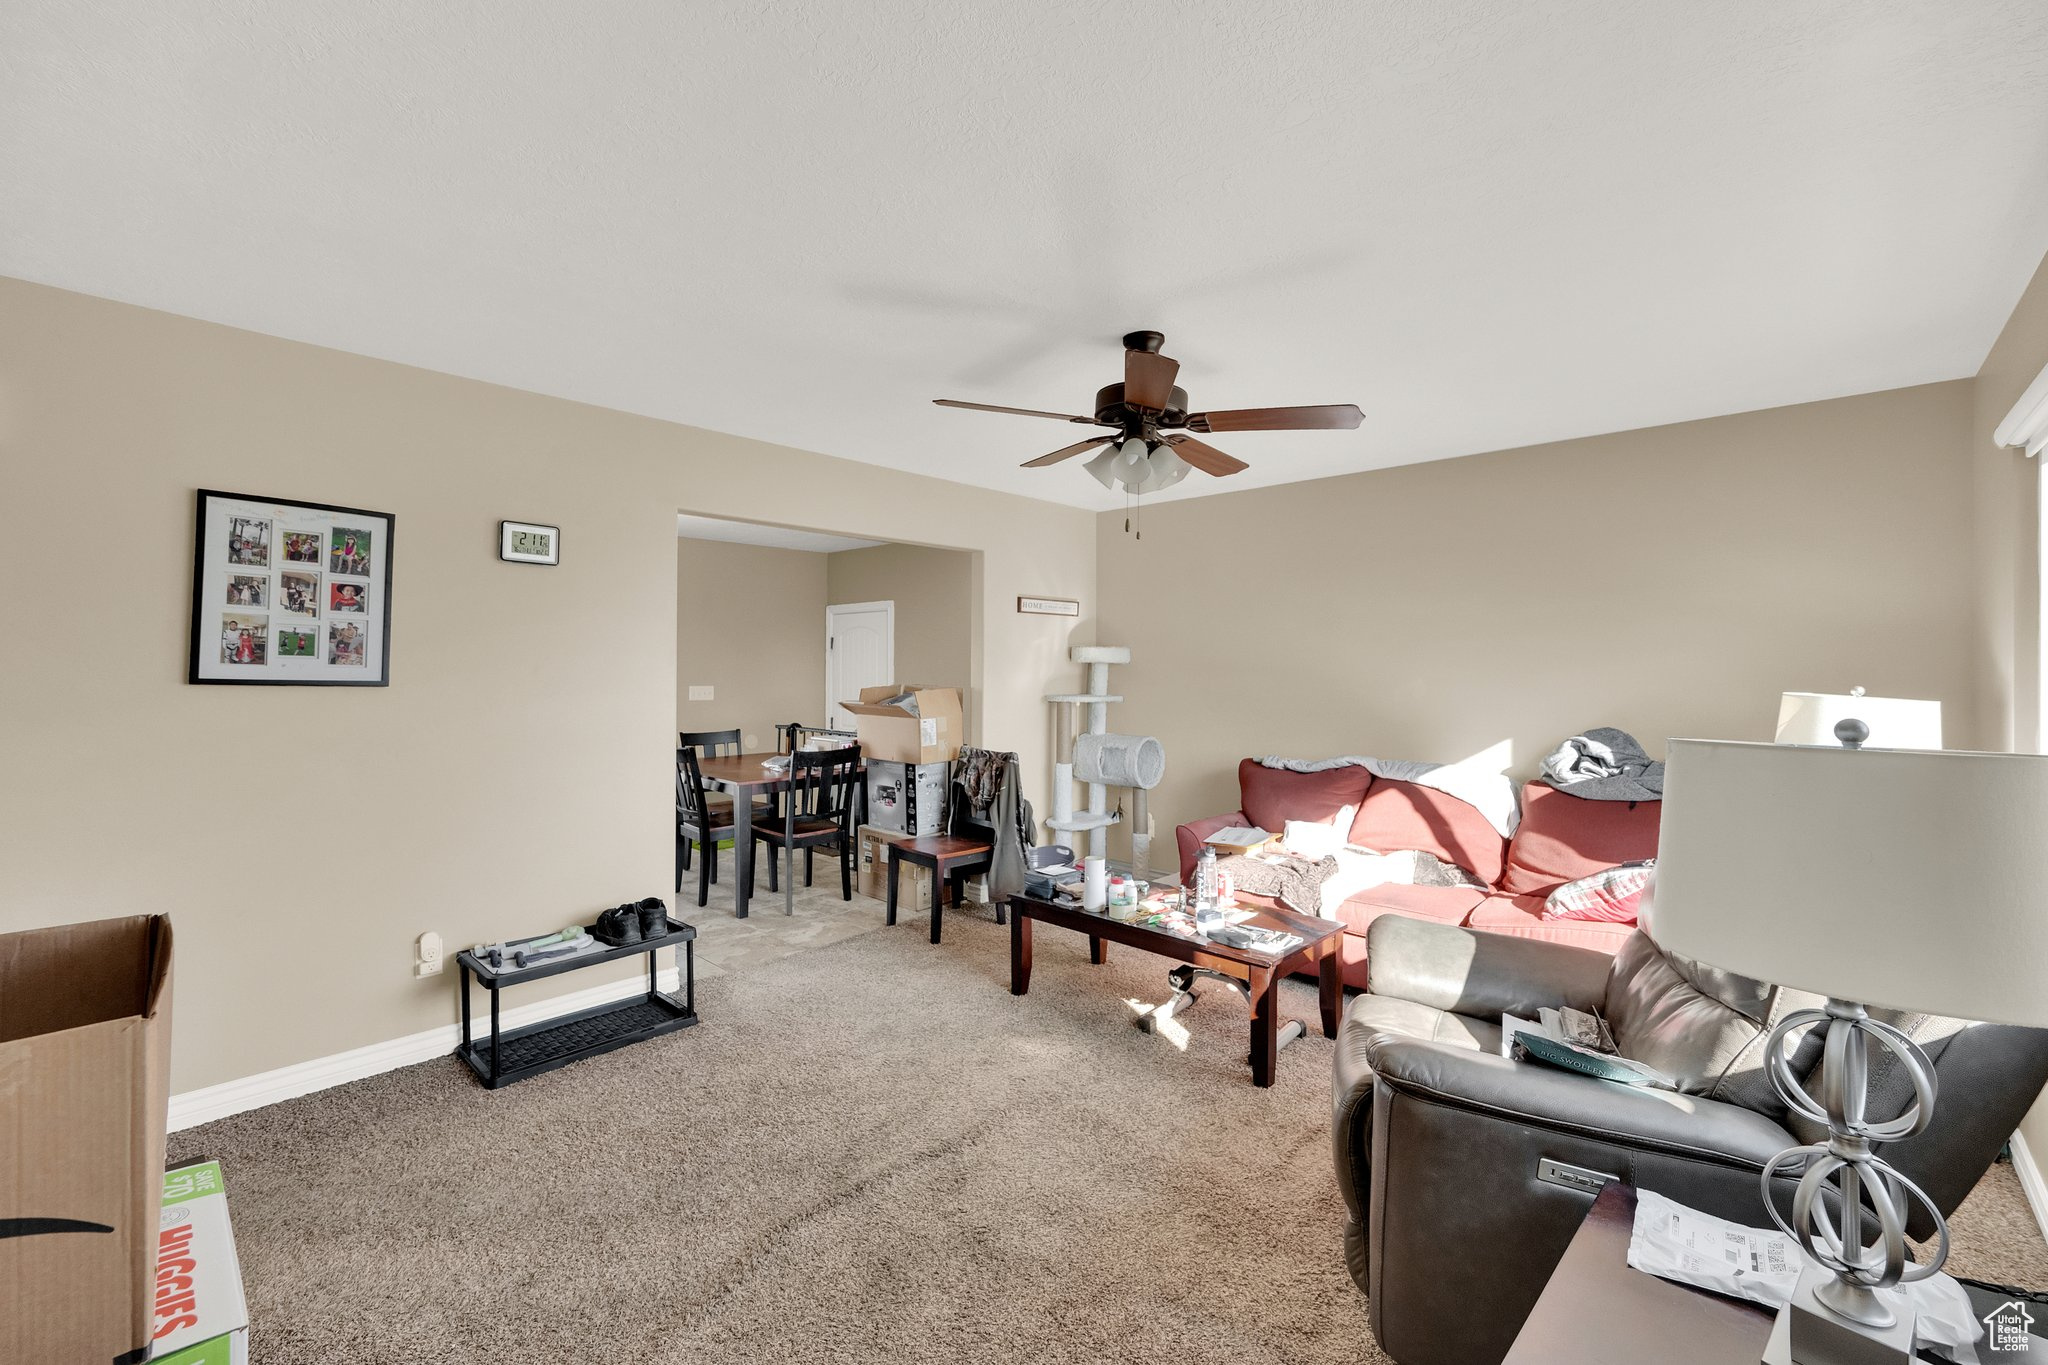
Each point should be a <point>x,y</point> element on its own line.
<point>509,1055</point>
<point>509,975</point>
<point>529,1051</point>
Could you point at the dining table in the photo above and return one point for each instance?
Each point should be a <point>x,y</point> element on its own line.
<point>744,777</point>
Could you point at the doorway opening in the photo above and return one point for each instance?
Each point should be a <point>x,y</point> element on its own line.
<point>777,625</point>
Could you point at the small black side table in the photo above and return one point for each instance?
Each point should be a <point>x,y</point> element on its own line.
<point>950,858</point>
<point>511,1056</point>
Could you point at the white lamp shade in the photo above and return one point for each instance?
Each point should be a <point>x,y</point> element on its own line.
<point>1103,467</point>
<point>1163,470</point>
<point>1913,879</point>
<point>1895,722</point>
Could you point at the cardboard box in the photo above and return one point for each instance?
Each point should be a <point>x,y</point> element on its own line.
<point>924,728</point>
<point>201,1315</point>
<point>85,1046</point>
<point>914,884</point>
<point>907,798</point>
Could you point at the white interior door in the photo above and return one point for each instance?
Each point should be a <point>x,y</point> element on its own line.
<point>860,651</point>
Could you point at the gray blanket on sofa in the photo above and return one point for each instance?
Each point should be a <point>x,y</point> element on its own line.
<point>1605,764</point>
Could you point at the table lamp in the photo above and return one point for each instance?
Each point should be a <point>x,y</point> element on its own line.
<point>1891,722</point>
<point>1905,879</point>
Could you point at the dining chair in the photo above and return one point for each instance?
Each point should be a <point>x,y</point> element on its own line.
<point>697,822</point>
<point>717,744</point>
<point>790,735</point>
<point>711,743</point>
<point>793,735</point>
<point>817,812</point>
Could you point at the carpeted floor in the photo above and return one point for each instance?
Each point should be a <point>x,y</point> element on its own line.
<point>867,1151</point>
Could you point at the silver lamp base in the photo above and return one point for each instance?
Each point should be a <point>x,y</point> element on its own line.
<point>1808,1332</point>
<point>1847,1308</point>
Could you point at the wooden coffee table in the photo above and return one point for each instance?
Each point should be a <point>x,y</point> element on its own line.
<point>1261,972</point>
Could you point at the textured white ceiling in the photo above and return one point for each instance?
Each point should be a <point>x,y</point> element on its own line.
<point>1487,223</point>
<point>689,527</point>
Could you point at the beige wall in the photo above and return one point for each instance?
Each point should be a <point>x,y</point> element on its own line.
<point>750,623</point>
<point>1670,581</point>
<point>934,608</point>
<point>519,769</point>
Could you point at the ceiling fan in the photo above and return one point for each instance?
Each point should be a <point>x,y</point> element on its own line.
<point>1148,448</point>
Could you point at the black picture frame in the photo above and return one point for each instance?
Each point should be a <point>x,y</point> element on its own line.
<point>296,518</point>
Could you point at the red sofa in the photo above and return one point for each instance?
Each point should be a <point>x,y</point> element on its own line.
<point>1560,839</point>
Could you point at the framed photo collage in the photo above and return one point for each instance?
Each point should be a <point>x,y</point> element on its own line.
<point>288,592</point>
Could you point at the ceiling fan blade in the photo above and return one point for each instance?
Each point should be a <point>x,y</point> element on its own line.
<point>1328,417</point>
<point>1148,379</point>
<point>1022,412</point>
<point>1067,452</point>
<point>1206,458</point>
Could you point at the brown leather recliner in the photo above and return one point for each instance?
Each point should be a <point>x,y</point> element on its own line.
<point>1452,1231</point>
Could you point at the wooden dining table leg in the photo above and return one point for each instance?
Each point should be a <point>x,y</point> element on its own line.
<point>742,850</point>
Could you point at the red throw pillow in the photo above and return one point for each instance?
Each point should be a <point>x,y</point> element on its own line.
<point>1564,837</point>
<point>1612,895</point>
<point>1273,796</point>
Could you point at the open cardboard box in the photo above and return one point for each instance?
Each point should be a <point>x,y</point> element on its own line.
<point>914,883</point>
<point>925,728</point>
<point>85,1045</point>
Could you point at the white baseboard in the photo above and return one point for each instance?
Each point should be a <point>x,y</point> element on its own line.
<point>2031,1182</point>
<point>195,1107</point>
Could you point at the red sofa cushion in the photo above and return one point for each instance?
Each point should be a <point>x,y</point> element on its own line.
<point>1444,904</point>
<point>1522,917</point>
<point>1564,837</point>
<point>1402,815</point>
<point>1273,796</point>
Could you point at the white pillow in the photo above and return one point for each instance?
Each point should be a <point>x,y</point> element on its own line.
<point>1311,839</point>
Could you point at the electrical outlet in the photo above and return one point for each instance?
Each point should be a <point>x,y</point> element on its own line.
<point>427,956</point>
<point>699,692</point>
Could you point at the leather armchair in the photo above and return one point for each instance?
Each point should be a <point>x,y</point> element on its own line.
<point>1453,1233</point>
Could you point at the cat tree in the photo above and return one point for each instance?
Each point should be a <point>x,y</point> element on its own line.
<point>1100,760</point>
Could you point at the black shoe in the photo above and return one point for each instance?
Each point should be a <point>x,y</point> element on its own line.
<point>619,926</point>
<point>653,918</point>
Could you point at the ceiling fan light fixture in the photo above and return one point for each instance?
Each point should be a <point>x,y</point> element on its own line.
<point>1167,469</point>
<point>1104,468</point>
<point>1129,415</point>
